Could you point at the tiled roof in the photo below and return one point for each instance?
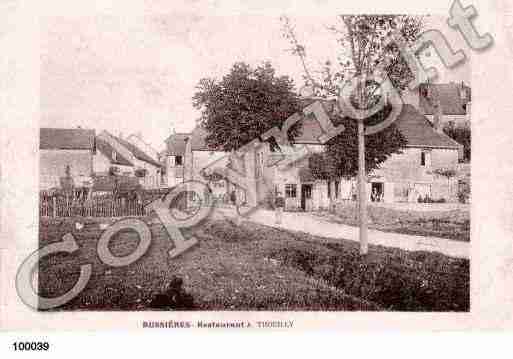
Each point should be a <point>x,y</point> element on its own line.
<point>419,132</point>
<point>107,150</point>
<point>136,151</point>
<point>449,95</point>
<point>414,126</point>
<point>66,139</point>
<point>175,144</point>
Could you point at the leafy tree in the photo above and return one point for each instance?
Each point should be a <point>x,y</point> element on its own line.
<point>244,104</point>
<point>462,136</point>
<point>363,47</point>
<point>340,158</point>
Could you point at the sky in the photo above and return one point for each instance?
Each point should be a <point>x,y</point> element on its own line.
<point>138,74</point>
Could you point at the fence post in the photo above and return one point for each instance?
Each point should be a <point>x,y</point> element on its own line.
<point>54,200</point>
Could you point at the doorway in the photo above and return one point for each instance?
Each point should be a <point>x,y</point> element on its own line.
<point>306,194</point>
<point>377,191</point>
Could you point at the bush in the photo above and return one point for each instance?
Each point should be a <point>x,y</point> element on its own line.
<point>428,199</point>
<point>464,194</point>
<point>269,200</point>
<point>417,282</point>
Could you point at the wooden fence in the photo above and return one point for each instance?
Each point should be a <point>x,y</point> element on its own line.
<point>96,207</point>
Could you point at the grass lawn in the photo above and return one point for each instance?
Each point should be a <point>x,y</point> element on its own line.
<point>254,267</point>
<point>453,224</point>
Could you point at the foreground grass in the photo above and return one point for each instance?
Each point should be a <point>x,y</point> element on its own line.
<point>254,267</point>
<point>453,224</point>
<point>225,272</point>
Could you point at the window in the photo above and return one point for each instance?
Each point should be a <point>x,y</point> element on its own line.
<point>178,161</point>
<point>114,156</point>
<point>425,159</point>
<point>259,165</point>
<point>337,183</point>
<point>329,189</point>
<point>290,190</point>
<point>306,191</point>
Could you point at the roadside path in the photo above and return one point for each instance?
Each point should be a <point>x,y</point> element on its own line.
<point>317,226</point>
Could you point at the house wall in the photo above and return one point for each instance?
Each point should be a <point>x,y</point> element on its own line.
<point>102,164</point>
<point>174,173</point>
<point>409,179</point>
<point>277,176</point>
<point>193,163</point>
<point>458,120</point>
<point>202,160</point>
<point>152,178</point>
<point>52,165</point>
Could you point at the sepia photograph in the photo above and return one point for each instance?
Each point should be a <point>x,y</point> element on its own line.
<point>253,163</point>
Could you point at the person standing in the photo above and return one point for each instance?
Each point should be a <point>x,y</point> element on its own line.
<point>279,204</point>
<point>234,198</point>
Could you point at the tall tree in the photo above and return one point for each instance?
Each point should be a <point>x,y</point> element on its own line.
<point>462,135</point>
<point>244,104</point>
<point>364,46</point>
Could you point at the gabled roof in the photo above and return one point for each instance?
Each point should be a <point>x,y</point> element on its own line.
<point>419,132</point>
<point>138,141</point>
<point>136,151</point>
<point>107,150</point>
<point>66,139</point>
<point>175,144</point>
<point>449,94</point>
<point>414,126</point>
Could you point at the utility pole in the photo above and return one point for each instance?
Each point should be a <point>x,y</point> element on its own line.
<point>362,192</point>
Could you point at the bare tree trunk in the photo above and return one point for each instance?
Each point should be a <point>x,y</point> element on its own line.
<point>362,195</point>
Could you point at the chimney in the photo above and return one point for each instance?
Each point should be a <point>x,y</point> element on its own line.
<point>438,116</point>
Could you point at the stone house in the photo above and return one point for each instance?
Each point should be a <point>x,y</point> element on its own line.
<point>454,100</point>
<point>187,154</point>
<point>173,158</point>
<point>412,174</point>
<point>406,176</point>
<point>114,151</point>
<point>402,177</point>
<point>63,147</point>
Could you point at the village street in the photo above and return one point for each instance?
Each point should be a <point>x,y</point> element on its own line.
<point>317,226</point>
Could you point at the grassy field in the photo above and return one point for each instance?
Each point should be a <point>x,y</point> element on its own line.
<point>453,224</point>
<point>254,267</point>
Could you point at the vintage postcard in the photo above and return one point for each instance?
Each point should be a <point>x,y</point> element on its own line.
<point>277,169</point>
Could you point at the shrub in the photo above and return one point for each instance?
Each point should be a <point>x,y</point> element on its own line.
<point>269,200</point>
<point>417,282</point>
<point>464,194</point>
